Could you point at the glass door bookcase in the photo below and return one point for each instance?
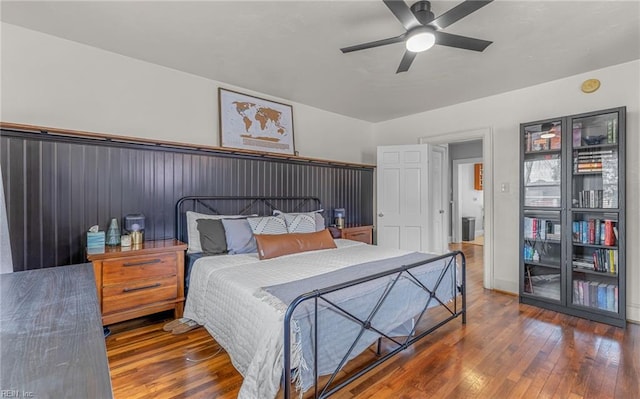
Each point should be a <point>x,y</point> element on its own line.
<point>572,232</point>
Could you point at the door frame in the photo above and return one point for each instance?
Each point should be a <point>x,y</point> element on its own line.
<point>456,221</point>
<point>444,196</point>
<point>486,135</point>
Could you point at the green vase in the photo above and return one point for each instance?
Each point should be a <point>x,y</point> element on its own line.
<point>113,233</point>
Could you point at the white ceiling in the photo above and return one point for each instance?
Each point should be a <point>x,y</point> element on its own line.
<point>290,49</point>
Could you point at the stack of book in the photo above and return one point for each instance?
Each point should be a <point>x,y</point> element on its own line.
<point>596,295</point>
<point>601,260</point>
<point>590,161</point>
<point>595,232</point>
<point>535,228</point>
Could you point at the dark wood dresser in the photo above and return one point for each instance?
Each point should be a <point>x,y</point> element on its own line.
<point>52,342</point>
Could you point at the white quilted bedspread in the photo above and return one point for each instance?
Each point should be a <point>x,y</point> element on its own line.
<point>222,298</point>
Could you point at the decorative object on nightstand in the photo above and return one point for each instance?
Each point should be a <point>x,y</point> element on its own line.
<point>338,215</point>
<point>113,234</point>
<point>95,239</point>
<point>134,225</point>
<point>125,240</point>
<point>141,280</point>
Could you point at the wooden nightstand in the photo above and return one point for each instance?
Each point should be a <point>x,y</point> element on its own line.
<point>139,280</point>
<point>355,233</point>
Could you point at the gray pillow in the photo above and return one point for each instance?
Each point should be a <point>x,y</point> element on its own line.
<point>239,236</point>
<point>212,236</point>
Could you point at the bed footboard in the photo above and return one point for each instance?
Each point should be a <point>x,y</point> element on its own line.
<point>400,307</point>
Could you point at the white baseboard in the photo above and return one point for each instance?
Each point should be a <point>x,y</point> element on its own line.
<point>633,313</point>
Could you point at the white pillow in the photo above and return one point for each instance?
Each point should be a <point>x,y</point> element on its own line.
<point>319,219</point>
<point>301,222</point>
<point>193,235</point>
<point>268,225</point>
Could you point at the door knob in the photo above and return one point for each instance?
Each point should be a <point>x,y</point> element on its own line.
<point>441,210</point>
<point>381,214</point>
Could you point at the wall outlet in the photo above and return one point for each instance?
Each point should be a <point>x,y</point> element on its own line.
<point>504,188</point>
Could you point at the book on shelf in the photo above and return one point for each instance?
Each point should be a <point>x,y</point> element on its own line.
<point>555,142</point>
<point>528,285</point>
<point>594,231</point>
<point>577,134</point>
<point>595,294</point>
<point>612,131</point>
<point>542,229</point>
<point>591,199</point>
<point>601,260</point>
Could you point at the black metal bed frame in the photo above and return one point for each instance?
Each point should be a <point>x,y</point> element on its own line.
<point>453,260</point>
<point>365,324</point>
<point>247,205</point>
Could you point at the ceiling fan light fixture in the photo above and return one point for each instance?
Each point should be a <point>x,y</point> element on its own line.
<point>421,40</point>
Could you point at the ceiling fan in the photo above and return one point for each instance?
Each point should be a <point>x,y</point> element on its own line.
<point>424,29</point>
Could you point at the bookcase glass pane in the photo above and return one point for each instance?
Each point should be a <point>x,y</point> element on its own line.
<point>543,137</point>
<point>595,161</point>
<point>542,174</point>
<point>595,130</point>
<point>595,177</point>
<point>542,251</point>
<point>594,260</point>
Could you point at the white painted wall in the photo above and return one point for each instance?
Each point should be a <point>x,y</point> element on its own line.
<point>504,113</point>
<point>55,82</point>
<point>471,200</point>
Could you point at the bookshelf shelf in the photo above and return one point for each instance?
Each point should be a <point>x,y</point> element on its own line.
<point>587,271</point>
<point>579,244</point>
<point>540,264</point>
<point>542,152</point>
<point>572,224</point>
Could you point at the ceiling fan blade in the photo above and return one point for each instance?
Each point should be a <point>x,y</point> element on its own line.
<point>376,43</point>
<point>407,59</point>
<point>457,13</point>
<point>401,10</point>
<point>467,43</point>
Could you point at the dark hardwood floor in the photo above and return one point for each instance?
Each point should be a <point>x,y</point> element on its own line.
<point>506,350</point>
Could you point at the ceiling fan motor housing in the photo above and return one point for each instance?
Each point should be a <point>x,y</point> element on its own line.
<point>422,12</point>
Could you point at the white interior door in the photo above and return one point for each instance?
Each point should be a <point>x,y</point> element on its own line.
<point>403,202</point>
<point>438,202</point>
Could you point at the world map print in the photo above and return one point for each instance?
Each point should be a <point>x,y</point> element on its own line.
<point>256,124</point>
<point>266,117</point>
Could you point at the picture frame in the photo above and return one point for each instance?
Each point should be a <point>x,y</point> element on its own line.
<point>252,123</point>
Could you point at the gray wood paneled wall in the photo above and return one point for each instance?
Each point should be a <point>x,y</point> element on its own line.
<point>56,187</point>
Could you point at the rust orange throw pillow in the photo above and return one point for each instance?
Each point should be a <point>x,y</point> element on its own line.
<point>274,245</point>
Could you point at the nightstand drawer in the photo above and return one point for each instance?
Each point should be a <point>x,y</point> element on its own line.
<point>137,293</point>
<point>121,270</point>
<point>363,234</point>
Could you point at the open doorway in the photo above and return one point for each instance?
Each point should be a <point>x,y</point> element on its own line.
<point>481,140</point>
<point>466,192</point>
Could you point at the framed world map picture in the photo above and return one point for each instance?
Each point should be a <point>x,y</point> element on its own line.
<point>252,123</point>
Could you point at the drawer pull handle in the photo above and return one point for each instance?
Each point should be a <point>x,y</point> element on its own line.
<point>146,262</point>
<point>142,288</point>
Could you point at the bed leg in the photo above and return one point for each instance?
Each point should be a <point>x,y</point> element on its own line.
<point>378,351</point>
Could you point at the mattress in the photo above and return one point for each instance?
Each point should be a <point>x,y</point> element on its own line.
<point>226,296</point>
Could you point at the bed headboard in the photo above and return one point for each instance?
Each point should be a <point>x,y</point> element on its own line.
<point>228,205</point>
